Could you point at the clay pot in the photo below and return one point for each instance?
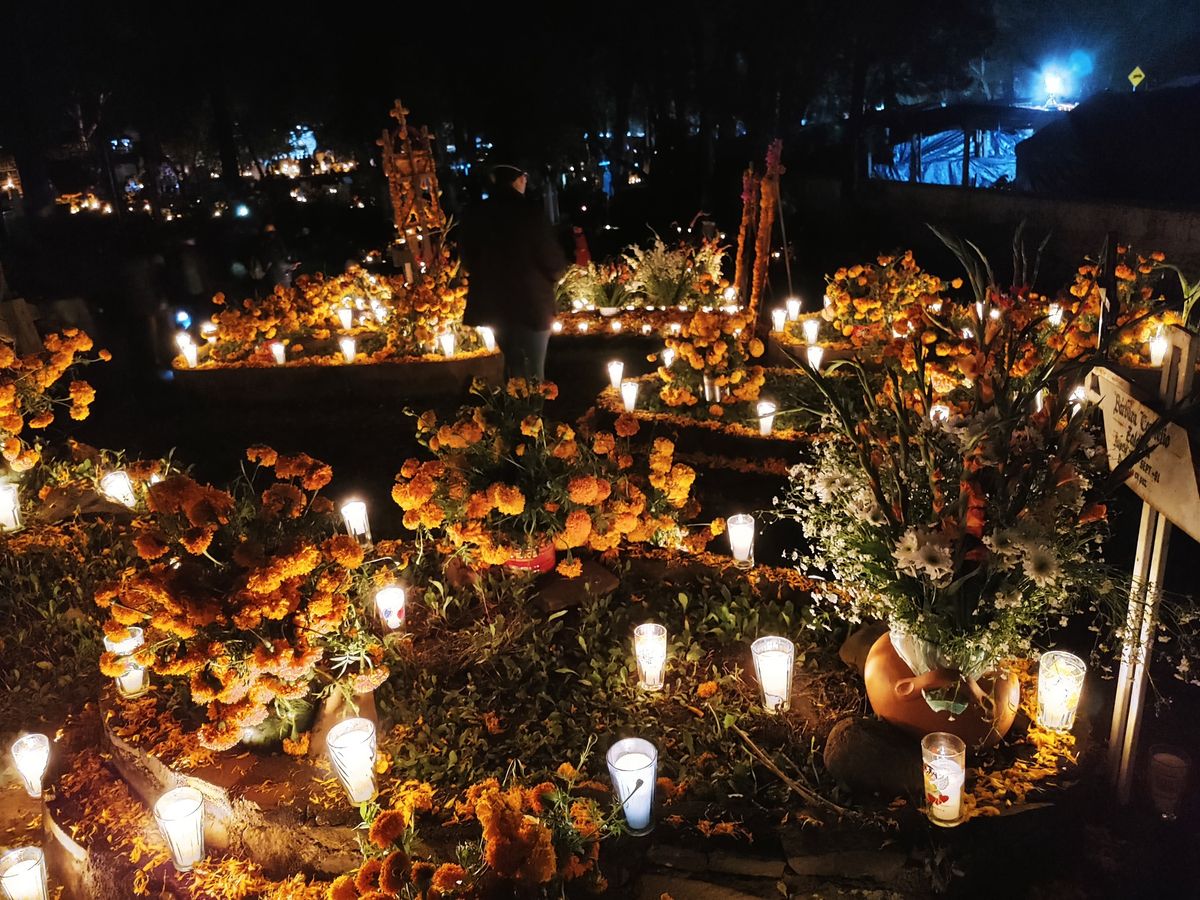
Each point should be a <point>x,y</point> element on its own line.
<point>539,562</point>
<point>895,695</point>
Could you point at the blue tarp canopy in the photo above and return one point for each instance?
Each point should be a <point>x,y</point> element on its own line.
<point>993,156</point>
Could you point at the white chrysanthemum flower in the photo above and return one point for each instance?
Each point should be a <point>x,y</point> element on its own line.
<point>1041,565</point>
<point>908,542</point>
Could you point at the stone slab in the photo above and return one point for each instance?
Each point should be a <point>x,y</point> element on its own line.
<point>554,592</point>
<point>882,866</point>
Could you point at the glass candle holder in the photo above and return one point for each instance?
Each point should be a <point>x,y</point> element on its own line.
<point>676,328</point>
<point>279,352</point>
<point>10,507</point>
<point>117,487</point>
<point>793,308</point>
<point>778,319</point>
<point>629,392</point>
<point>766,416</point>
<point>208,331</point>
<point>1169,769</point>
<point>191,355</point>
<point>1060,681</point>
<point>774,658</point>
<point>812,330</point>
<point>650,649</point>
<point>389,603</point>
<point>346,318</point>
<point>351,744</point>
<point>616,325</point>
<point>668,356</point>
<point>944,760</point>
<point>349,348</point>
<point>133,682</point>
<point>646,329</point>
<point>31,755</point>
<point>583,327</point>
<point>633,768</point>
<point>23,874</point>
<point>556,326</point>
<point>447,341</point>
<point>1158,349</point>
<point>713,389</point>
<point>815,355</point>
<point>741,539</point>
<point>488,336</point>
<point>180,816</point>
<point>358,526</point>
<point>939,413</point>
<point>616,369</point>
<point>1055,314</point>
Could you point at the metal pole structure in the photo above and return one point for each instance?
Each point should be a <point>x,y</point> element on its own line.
<point>787,256</point>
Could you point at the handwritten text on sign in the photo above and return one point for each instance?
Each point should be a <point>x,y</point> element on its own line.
<point>1166,478</point>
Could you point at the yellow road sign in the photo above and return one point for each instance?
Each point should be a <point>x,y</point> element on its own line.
<point>1137,76</point>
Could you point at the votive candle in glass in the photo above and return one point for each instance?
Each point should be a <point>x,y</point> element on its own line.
<point>349,348</point>
<point>633,768</point>
<point>629,392</point>
<point>939,413</point>
<point>646,329</point>
<point>944,761</point>
<point>616,369</point>
<point>766,416</point>
<point>191,354</point>
<point>133,681</point>
<point>447,341</point>
<point>1169,768</point>
<point>346,318</point>
<point>117,487</point>
<point>10,507</point>
<point>815,355</point>
<point>650,649</point>
<point>23,874</point>
<point>488,336</point>
<point>1055,314</point>
<point>616,325</point>
<point>1060,682</point>
<point>279,352</point>
<point>676,328</point>
<point>778,319</point>
<point>354,514</point>
<point>827,301</point>
<point>812,329</point>
<point>180,816</point>
<point>668,356</point>
<point>583,327</point>
<point>31,755</point>
<point>208,331</point>
<point>556,326</point>
<point>351,744</point>
<point>389,602</point>
<point>793,308</point>
<point>1158,349</point>
<point>741,539</point>
<point>774,657</point>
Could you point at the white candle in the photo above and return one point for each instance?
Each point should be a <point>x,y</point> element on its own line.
<point>180,816</point>
<point>778,319</point>
<point>793,308</point>
<point>133,681</point>
<point>944,758</point>
<point>354,513</point>
<point>939,413</point>
<point>488,336</point>
<point>741,539</point>
<point>773,661</point>
<point>447,340</point>
<point>10,507</point>
<point>23,874</point>
<point>1055,314</point>
<point>616,369</point>
<point>633,768</point>
<point>208,331</point>
<point>183,339</point>
<point>118,488</point>
<point>1158,349</point>
<point>730,294</point>
<point>1060,682</point>
<point>766,416</point>
<point>279,352</point>
<point>583,327</point>
<point>556,326</point>
<point>827,300</point>
<point>812,328</point>
<point>616,325</point>
<point>31,755</point>
<point>349,350</point>
<point>191,355</point>
<point>979,309</point>
<point>668,356</point>
<point>676,328</point>
<point>646,328</point>
<point>650,650</point>
<point>351,744</point>
<point>629,392</point>
<point>346,318</point>
<point>389,602</point>
<point>815,355</point>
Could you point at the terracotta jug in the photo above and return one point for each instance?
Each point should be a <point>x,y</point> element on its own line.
<point>895,695</point>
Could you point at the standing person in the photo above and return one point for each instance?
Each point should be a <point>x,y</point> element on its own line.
<point>513,262</point>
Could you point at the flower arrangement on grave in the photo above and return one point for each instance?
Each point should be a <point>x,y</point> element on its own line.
<point>955,497</point>
<point>713,363</point>
<point>684,276</point>
<point>595,286</point>
<point>246,596</point>
<point>505,481</point>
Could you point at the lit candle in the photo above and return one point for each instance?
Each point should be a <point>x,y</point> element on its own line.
<point>944,758</point>
<point>132,681</point>
<point>346,318</point>
<point>815,355</point>
<point>979,309</point>
<point>180,816</point>
<point>629,392</point>
<point>793,308</point>
<point>1060,681</point>
<point>447,340</point>
<point>676,328</point>
<point>939,413</point>
<point>1158,349</point>
<point>650,649</point>
<point>741,539</point>
<point>668,356</point>
<point>10,507</point>
<point>616,369</point>
<point>646,328</point>
<point>633,768</point>
<point>994,314</point>
<point>1039,400</point>
<point>1076,397</point>
<point>208,331</point>
<point>556,326</point>
<point>354,513</point>
<point>349,351</point>
<point>23,874</point>
<point>489,338</point>
<point>191,355</point>
<point>31,755</point>
<point>117,487</point>
<point>766,416</point>
<point>778,319</point>
<point>774,658</point>
<point>279,351</point>
<point>389,602</point>
<point>616,325</point>
<point>812,328</point>
<point>1055,314</point>
<point>351,744</point>
<point>583,327</point>
<point>827,300</point>
<point>183,339</point>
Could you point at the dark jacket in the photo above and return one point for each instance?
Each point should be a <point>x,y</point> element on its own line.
<point>513,262</point>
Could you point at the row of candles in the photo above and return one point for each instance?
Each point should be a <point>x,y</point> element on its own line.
<point>116,486</point>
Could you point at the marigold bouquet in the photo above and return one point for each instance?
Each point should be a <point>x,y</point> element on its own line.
<point>246,595</point>
<point>712,363</point>
<point>505,481</point>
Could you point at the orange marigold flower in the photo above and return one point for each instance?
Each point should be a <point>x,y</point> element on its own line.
<point>262,454</point>
<point>367,878</point>
<point>570,568</point>
<point>343,550</point>
<point>422,872</point>
<point>343,888</point>
<point>535,797</point>
<point>706,689</point>
<point>387,828</point>
<point>626,425</point>
<point>449,878</point>
<point>395,873</point>
<point>567,772</point>
<point>150,545</point>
